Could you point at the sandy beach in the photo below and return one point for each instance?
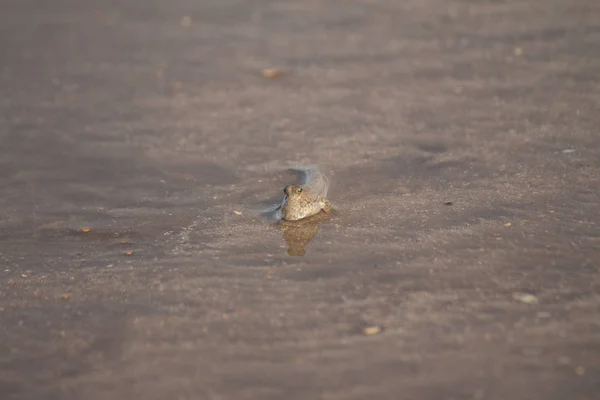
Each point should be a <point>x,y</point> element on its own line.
<point>139,138</point>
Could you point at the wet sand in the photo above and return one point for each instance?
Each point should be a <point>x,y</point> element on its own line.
<point>461,141</point>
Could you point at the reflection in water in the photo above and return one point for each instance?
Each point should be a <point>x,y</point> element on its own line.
<point>298,234</point>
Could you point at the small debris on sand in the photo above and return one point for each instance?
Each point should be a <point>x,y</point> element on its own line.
<point>526,298</point>
<point>271,73</point>
<point>372,330</point>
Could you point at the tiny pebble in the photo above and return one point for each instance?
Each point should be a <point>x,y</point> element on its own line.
<point>85,229</point>
<point>271,73</point>
<point>526,298</point>
<point>65,297</point>
<point>128,253</point>
<point>567,151</point>
<point>372,330</point>
<point>237,212</point>
<point>507,224</point>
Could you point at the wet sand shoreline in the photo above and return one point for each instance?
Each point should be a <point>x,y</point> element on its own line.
<point>461,141</point>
